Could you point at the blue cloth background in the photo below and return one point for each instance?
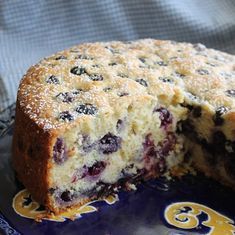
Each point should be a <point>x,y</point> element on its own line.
<point>30,30</point>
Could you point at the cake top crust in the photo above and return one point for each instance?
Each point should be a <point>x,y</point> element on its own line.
<point>92,79</point>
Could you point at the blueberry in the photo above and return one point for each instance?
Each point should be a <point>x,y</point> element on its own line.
<point>87,109</point>
<point>165,116</point>
<point>123,94</point>
<point>95,66</point>
<point>122,75</point>
<point>119,124</point>
<point>218,120</point>
<point>106,89</point>
<point>150,152</point>
<point>84,57</point>
<point>154,158</point>
<point>93,170</point>
<point>149,149</point>
<point>221,110</point>
<point>76,92</point>
<point>166,79</point>
<point>61,57</point>
<point>167,145</point>
<point>180,74</point>
<point>66,196</point>
<point>202,71</point>
<point>143,60</point>
<point>67,97</point>
<point>161,63</point>
<point>148,141</point>
<point>112,64</point>
<point>62,96</point>
<point>109,143</point>
<point>142,82</point>
<point>230,93</point>
<point>66,116</point>
<point>97,168</point>
<point>78,70</point>
<point>96,77</point>
<point>52,80</point>
<point>59,151</point>
<point>197,112</point>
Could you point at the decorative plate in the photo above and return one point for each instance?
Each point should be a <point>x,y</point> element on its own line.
<point>192,205</point>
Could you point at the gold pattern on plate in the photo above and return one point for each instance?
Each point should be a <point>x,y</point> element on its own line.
<point>26,207</point>
<point>184,215</point>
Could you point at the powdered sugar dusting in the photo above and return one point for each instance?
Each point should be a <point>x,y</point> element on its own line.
<point>121,65</point>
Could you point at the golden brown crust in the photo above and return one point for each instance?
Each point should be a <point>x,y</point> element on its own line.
<point>31,148</point>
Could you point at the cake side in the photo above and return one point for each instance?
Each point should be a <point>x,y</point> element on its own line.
<point>31,151</point>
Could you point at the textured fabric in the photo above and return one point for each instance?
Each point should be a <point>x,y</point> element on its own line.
<point>30,30</point>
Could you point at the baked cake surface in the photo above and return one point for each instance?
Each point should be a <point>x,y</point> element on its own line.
<point>102,116</point>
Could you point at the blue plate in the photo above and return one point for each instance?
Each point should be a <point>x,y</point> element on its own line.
<point>192,205</point>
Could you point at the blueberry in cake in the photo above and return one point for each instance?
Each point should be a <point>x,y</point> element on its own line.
<point>99,117</point>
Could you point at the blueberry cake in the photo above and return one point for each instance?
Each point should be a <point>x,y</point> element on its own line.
<point>99,117</point>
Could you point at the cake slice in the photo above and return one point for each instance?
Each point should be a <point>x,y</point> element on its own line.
<point>100,117</point>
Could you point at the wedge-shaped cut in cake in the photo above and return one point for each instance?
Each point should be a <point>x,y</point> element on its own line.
<point>100,117</point>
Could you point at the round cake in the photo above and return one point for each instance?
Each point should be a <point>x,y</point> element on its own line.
<point>100,117</point>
